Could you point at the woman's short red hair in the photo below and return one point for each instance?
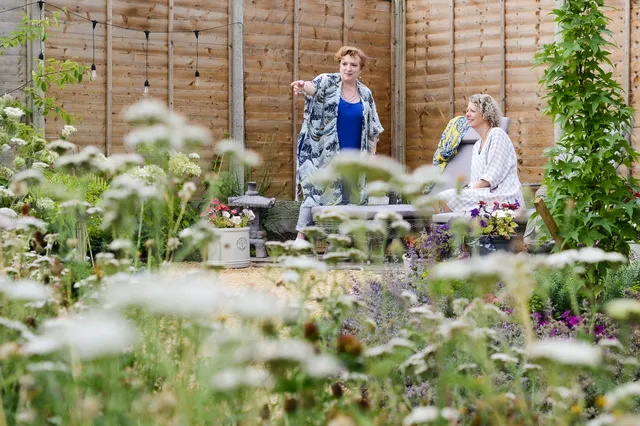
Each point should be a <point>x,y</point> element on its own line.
<point>351,51</point>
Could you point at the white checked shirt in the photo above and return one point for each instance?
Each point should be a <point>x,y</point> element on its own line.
<point>497,164</point>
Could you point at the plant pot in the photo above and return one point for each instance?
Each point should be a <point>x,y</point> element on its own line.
<point>231,250</point>
<point>488,244</point>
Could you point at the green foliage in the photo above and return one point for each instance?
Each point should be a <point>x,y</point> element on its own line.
<point>52,72</point>
<point>587,195</point>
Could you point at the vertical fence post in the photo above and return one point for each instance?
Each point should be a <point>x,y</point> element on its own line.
<point>503,56</point>
<point>296,76</point>
<point>398,81</point>
<point>170,55</point>
<point>109,92</point>
<point>452,58</point>
<point>236,96</point>
<point>557,131</point>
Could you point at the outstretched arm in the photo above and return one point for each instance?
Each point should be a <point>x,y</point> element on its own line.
<point>302,87</point>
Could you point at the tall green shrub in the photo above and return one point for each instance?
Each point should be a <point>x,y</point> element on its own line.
<point>588,195</point>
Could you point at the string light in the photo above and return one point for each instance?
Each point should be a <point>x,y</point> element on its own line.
<point>146,59</point>
<point>94,73</point>
<point>41,55</point>
<point>197,33</point>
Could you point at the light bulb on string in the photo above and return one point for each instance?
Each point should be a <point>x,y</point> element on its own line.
<point>197,74</point>
<point>94,73</point>
<point>146,81</point>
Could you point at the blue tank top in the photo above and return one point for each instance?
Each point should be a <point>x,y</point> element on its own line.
<point>349,124</point>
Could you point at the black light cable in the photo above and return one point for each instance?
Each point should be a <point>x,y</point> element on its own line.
<point>146,60</point>
<point>94,73</point>
<point>197,33</point>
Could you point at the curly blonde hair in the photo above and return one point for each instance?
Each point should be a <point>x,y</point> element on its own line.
<point>488,107</point>
<point>353,52</point>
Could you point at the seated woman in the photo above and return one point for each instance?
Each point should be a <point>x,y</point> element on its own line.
<point>494,169</point>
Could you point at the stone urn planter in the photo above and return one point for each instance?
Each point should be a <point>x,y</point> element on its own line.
<point>231,250</point>
<point>488,245</point>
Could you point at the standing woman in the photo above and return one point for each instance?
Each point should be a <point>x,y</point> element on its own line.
<point>494,166</point>
<point>339,114</point>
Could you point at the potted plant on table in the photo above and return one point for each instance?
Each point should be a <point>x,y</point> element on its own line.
<point>428,248</point>
<point>498,225</point>
<point>231,249</point>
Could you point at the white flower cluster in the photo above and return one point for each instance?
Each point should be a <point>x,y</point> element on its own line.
<point>15,113</point>
<point>45,204</point>
<point>67,131</point>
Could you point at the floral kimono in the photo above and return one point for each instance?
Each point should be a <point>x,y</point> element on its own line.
<point>318,139</point>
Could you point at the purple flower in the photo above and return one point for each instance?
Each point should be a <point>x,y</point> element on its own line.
<point>574,320</point>
<point>475,213</point>
<point>598,329</point>
<point>565,314</point>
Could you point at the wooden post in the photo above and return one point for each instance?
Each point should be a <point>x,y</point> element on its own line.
<point>398,81</point>
<point>557,131</point>
<point>503,58</point>
<point>34,49</point>
<point>296,76</point>
<point>627,72</point>
<point>346,21</point>
<point>236,97</point>
<point>29,58</point>
<point>170,54</point>
<point>109,92</point>
<point>452,58</point>
<point>548,220</point>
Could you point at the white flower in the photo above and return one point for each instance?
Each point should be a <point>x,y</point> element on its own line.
<point>376,167</point>
<point>61,146</point>
<point>91,336</point>
<point>17,326</point>
<point>90,157</point>
<point>30,223</point>
<point>504,358</point>
<point>5,211</point>
<point>121,162</point>
<point>234,378</point>
<point>198,296</point>
<point>387,215</point>
<point>147,111</point>
<point>39,165</point>
<point>18,142</point>
<point>187,191</point>
<point>15,113</point>
<point>45,204</point>
<point>583,255</point>
<point>621,392</point>
<point>120,244</point>
<point>27,291</point>
<point>321,366</point>
<point>68,130</point>
<point>235,220</point>
<point>602,420</point>
<point>567,352</point>
<point>300,245</point>
<point>290,277</point>
<point>429,414</point>
<point>226,214</point>
<point>48,366</point>
<point>303,264</point>
<point>409,296</point>
<point>623,309</point>
<point>378,188</point>
<point>420,179</point>
<point>194,156</point>
<point>29,176</point>
<point>233,149</point>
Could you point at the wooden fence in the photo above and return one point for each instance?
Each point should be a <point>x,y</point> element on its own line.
<point>428,57</point>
